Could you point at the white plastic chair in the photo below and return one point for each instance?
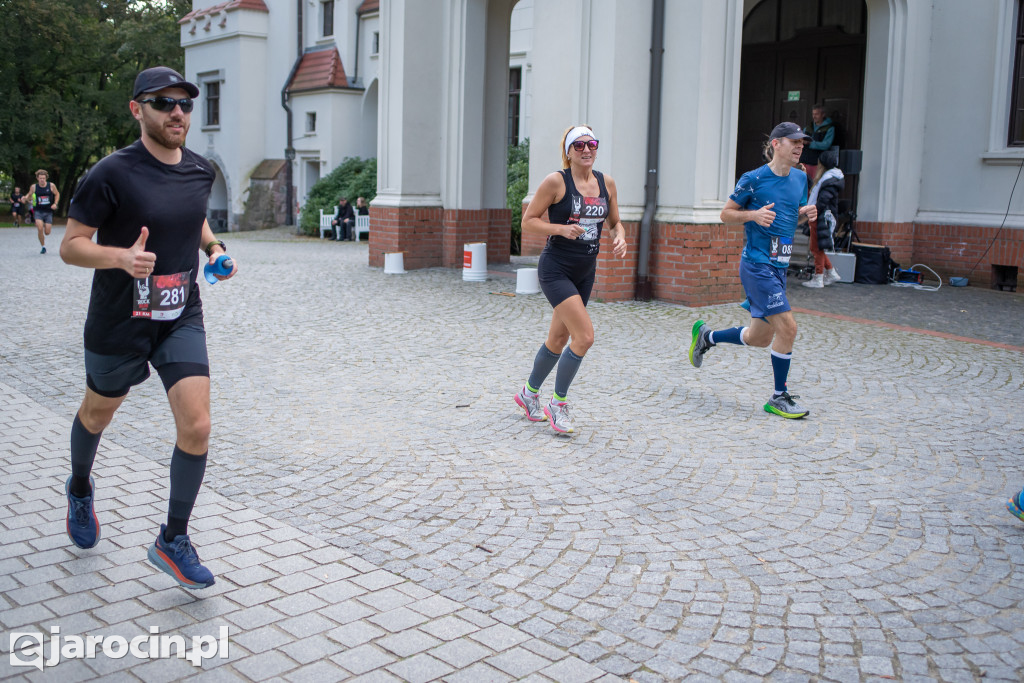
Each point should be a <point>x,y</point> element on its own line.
<point>325,223</point>
<point>362,227</point>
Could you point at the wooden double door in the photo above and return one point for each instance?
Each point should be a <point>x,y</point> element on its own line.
<point>782,81</point>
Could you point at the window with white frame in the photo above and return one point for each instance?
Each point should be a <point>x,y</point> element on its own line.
<point>375,45</point>
<point>210,87</point>
<point>310,121</point>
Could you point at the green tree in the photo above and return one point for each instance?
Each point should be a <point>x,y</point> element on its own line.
<point>67,77</point>
<point>518,185</point>
<point>353,177</point>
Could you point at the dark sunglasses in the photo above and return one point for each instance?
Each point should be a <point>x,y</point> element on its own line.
<point>167,104</point>
<point>578,145</point>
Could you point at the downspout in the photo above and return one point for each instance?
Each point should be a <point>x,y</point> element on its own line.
<point>289,150</point>
<point>644,289</point>
<point>355,68</point>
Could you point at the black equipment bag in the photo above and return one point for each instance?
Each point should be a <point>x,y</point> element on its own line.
<point>873,264</point>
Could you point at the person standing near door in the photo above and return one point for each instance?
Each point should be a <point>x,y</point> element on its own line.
<point>822,133</point>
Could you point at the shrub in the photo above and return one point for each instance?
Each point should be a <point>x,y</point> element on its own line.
<point>353,177</point>
<point>518,186</point>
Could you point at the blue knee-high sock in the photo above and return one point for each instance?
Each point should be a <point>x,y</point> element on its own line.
<point>780,368</point>
<point>187,472</point>
<point>543,362</point>
<point>732,335</point>
<point>568,365</point>
<point>83,451</point>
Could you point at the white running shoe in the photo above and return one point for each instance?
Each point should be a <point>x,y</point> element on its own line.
<point>816,282</point>
<point>558,414</point>
<point>531,404</point>
<point>831,277</point>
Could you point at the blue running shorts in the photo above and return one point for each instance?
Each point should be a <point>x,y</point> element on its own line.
<point>765,286</point>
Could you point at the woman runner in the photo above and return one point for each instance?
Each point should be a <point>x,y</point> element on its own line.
<point>578,200</point>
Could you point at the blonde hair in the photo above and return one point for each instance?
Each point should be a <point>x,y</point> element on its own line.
<point>767,151</point>
<point>565,157</point>
<point>42,172</point>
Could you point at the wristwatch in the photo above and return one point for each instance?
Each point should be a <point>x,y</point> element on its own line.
<point>211,245</point>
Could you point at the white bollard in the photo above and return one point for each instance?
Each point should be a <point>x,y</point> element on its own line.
<point>394,264</point>
<point>526,281</point>
<point>474,262</point>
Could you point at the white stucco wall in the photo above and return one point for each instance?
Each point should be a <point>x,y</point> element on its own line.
<point>959,181</point>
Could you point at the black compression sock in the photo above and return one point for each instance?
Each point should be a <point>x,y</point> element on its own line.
<point>83,452</point>
<point>187,472</point>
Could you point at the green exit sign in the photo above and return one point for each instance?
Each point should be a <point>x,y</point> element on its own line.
<point>793,96</point>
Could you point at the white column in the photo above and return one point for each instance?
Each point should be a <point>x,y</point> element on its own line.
<point>410,124</point>
<point>895,82</point>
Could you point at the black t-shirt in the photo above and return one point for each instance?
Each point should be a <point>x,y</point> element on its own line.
<point>123,192</point>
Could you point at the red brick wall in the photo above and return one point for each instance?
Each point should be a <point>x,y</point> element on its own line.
<point>532,244</point>
<point>616,277</point>
<point>463,226</point>
<point>416,231</point>
<point>432,236</point>
<point>696,265</point>
<point>949,250</point>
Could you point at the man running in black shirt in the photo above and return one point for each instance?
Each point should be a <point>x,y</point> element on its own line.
<point>146,205</point>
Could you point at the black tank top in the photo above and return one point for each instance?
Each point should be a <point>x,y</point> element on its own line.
<point>44,196</point>
<point>589,212</point>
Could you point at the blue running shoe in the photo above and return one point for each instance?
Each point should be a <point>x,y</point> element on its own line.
<point>1013,505</point>
<point>83,527</point>
<point>179,559</point>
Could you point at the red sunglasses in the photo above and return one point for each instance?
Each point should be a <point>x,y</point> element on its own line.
<point>578,145</point>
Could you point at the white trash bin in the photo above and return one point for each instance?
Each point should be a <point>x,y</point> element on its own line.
<point>474,262</point>
<point>526,281</point>
<point>394,264</point>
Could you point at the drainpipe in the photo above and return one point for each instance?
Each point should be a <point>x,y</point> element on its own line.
<point>289,150</point>
<point>644,289</point>
<point>355,68</point>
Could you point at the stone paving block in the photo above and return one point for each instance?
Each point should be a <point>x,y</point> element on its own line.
<point>264,666</point>
<point>318,672</point>
<point>419,668</point>
<point>355,633</point>
<point>449,628</point>
<point>460,653</point>
<point>407,643</point>
<point>398,619</point>
<point>518,662</point>
<point>362,659</point>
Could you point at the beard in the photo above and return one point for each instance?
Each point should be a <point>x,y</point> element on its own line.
<point>160,134</point>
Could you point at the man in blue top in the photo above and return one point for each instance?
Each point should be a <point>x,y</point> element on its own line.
<point>770,201</point>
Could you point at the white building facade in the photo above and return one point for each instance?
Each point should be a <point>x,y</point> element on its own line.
<point>924,89</point>
<point>279,79</point>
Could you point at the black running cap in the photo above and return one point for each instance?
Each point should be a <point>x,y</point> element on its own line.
<point>788,129</point>
<point>160,77</point>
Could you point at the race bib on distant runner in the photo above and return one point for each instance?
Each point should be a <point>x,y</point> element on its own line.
<point>161,297</point>
<point>781,251</point>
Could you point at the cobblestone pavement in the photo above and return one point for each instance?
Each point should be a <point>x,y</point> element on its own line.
<point>377,507</point>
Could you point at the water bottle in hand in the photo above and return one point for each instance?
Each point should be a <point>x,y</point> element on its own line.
<point>222,266</point>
